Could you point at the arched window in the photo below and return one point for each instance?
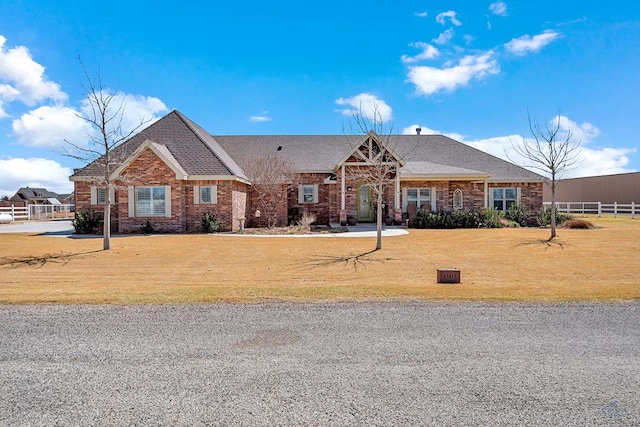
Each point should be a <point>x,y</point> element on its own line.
<point>457,199</point>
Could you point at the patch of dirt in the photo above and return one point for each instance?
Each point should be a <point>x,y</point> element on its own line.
<point>295,230</point>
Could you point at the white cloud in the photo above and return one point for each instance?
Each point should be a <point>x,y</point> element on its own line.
<point>22,79</point>
<point>260,118</point>
<point>603,161</point>
<point>369,106</point>
<point>49,127</point>
<point>498,8</point>
<point>429,80</point>
<point>423,14</point>
<point>445,37</point>
<point>411,130</point>
<point>428,52</point>
<point>583,133</point>
<point>525,44</point>
<point>33,172</point>
<point>136,109</point>
<point>441,18</point>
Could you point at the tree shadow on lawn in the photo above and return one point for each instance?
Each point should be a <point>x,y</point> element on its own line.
<point>40,261</point>
<point>555,243</point>
<point>354,260</point>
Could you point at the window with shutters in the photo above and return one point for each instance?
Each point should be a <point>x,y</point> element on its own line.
<point>150,201</point>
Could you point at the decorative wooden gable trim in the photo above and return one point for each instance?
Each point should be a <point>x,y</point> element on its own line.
<point>371,150</point>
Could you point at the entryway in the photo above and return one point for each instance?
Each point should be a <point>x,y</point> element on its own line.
<point>365,203</point>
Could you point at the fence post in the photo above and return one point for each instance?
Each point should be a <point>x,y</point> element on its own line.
<point>13,212</point>
<point>615,209</point>
<point>633,210</point>
<point>599,209</point>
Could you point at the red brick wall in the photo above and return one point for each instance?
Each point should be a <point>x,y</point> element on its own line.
<point>185,215</point>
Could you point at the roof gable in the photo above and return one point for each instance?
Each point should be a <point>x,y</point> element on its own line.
<point>186,146</point>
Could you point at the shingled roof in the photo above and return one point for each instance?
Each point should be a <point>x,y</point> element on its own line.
<point>193,148</point>
<point>423,154</point>
<point>200,154</point>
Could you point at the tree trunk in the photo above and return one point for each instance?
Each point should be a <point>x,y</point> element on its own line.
<point>106,229</point>
<point>553,206</point>
<point>379,217</point>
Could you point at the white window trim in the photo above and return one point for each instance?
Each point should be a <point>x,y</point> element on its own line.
<point>405,197</point>
<point>301,193</point>
<point>457,193</point>
<point>132,201</point>
<point>517,199</point>
<point>95,193</point>
<point>197,192</point>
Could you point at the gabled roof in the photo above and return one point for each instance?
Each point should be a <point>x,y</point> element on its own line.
<point>194,149</point>
<point>321,153</point>
<point>187,147</point>
<point>28,193</point>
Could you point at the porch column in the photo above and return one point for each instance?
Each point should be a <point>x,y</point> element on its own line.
<point>486,194</point>
<point>343,194</point>
<point>343,188</point>
<point>397,211</point>
<point>396,195</point>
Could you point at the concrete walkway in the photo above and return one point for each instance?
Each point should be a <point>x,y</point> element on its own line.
<point>65,228</point>
<point>56,227</point>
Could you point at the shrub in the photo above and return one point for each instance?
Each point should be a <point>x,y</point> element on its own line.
<point>147,228</point>
<point>306,220</point>
<point>491,218</point>
<point>446,219</point>
<point>544,217</point>
<point>87,222</point>
<point>210,223</point>
<point>578,223</point>
<point>518,214</point>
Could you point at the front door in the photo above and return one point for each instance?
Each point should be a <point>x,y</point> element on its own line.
<point>365,203</point>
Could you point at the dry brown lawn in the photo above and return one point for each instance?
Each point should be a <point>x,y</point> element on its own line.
<point>602,264</point>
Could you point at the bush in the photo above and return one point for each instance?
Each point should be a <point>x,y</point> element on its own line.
<point>518,214</point>
<point>147,228</point>
<point>446,219</point>
<point>210,223</point>
<point>306,220</point>
<point>578,223</point>
<point>544,217</point>
<point>491,218</point>
<point>87,222</point>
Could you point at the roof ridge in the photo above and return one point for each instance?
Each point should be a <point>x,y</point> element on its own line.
<point>232,167</point>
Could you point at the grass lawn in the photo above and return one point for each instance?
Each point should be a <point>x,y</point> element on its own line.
<point>496,265</point>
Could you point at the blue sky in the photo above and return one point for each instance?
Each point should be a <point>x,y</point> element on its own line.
<point>468,69</point>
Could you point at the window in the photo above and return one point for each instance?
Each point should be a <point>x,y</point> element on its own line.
<point>205,194</point>
<point>457,199</point>
<point>101,194</point>
<point>418,198</point>
<point>503,198</point>
<point>308,193</point>
<point>150,201</point>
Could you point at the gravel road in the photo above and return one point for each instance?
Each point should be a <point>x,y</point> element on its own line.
<point>392,364</point>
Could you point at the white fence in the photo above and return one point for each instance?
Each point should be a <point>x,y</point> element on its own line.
<point>39,212</point>
<point>597,208</point>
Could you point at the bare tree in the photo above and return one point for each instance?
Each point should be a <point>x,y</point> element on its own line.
<point>105,113</point>
<point>377,163</point>
<point>270,175</point>
<point>553,151</point>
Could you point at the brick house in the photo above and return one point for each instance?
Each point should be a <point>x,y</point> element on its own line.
<point>173,171</point>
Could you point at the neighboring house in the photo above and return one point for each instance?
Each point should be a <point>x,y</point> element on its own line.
<point>36,196</point>
<point>172,172</point>
<point>621,188</point>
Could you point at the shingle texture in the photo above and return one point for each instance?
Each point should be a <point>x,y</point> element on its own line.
<point>423,154</point>
<point>200,153</point>
<point>194,149</point>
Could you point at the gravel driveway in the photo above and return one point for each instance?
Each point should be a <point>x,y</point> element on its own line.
<point>437,364</point>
